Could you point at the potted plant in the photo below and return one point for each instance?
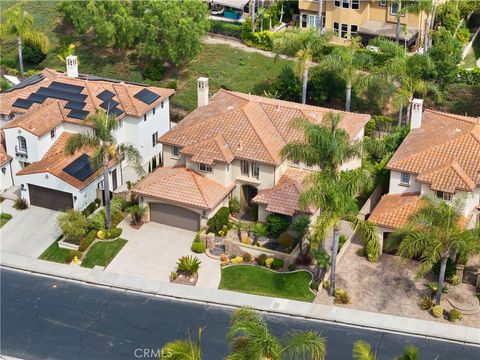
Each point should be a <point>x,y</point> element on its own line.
<point>234,206</point>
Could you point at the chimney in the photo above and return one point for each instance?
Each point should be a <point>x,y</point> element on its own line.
<point>416,116</point>
<point>202,91</point>
<point>72,66</point>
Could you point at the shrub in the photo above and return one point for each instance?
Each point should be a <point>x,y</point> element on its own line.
<point>471,77</point>
<point>117,218</point>
<point>247,257</point>
<point>455,280</point>
<point>97,221</point>
<point>232,256</point>
<point>370,128</point>
<point>246,240</point>
<point>219,220</point>
<point>259,39</point>
<point>188,264</point>
<point>116,204</point>
<point>268,262</point>
<point>455,315</point>
<point>292,267</point>
<point>450,270</point>
<point>198,247</point>
<point>277,263</point>
<point>5,216</point>
<point>20,204</point>
<point>32,53</point>
<point>432,288</point>
<point>341,297</point>
<point>234,205</point>
<point>237,260</point>
<point>87,240</point>
<point>109,234</point>
<point>300,225</point>
<point>260,259</point>
<point>73,225</point>
<point>463,35</point>
<point>360,252</point>
<point>286,240</point>
<point>326,285</point>
<point>253,213</point>
<point>314,285</point>
<point>90,208</point>
<point>304,259</point>
<point>223,231</point>
<point>276,224</point>
<point>226,29</point>
<point>172,84</point>
<point>153,70</point>
<point>437,311</point>
<point>427,303</point>
<point>173,276</point>
<point>341,241</point>
<point>136,213</point>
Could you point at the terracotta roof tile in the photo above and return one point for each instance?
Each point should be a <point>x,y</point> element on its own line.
<point>393,211</point>
<point>4,157</point>
<point>209,151</point>
<point>182,186</point>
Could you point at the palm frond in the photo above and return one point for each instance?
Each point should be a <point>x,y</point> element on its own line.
<point>80,141</point>
<point>368,233</point>
<point>362,350</point>
<point>133,157</point>
<point>304,345</point>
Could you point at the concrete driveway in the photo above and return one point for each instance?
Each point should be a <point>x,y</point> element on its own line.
<point>30,231</point>
<point>153,251</point>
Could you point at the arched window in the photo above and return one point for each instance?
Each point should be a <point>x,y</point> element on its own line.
<point>22,144</point>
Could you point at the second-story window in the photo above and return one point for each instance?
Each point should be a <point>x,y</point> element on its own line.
<point>405,178</point>
<point>444,195</point>
<point>153,111</point>
<point>205,168</point>
<point>336,28</point>
<point>256,170</point>
<point>144,117</point>
<point>355,4</point>
<point>395,8</point>
<point>346,4</point>
<point>245,168</point>
<point>382,3</point>
<point>22,144</point>
<point>52,134</point>
<point>154,138</point>
<point>337,3</point>
<point>344,31</point>
<point>175,151</point>
<point>353,30</point>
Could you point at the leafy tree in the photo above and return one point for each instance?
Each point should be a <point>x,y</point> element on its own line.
<point>250,338</point>
<point>446,54</point>
<point>434,233</point>
<point>102,140</point>
<point>183,349</point>
<point>449,16</point>
<point>73,225</point>
<point>19,23</point>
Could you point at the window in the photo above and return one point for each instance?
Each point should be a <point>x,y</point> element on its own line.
<point>336,29</point>
<point>144,117</point>
<point>100,185</point>
<point>395,8</point>
<point>344,31</point>
<point>304,21</point>
<point>346,4</point>
<point>382,3</point>
<point>355,4</point>
<point>353,30</point>
<point>52,134</point>
<point>405,178</point>
<point>228,167</point>
<point>161,104</point>
<point>154,138</point>
<point>205,168</point>
<point>337,3</point>
<point>245,168</point>
<point>153,111</point>
<point>313,21</point>
<point>444,195</point>
<point>22,144</point>
<point>175,151</point>
<point>255,170</point>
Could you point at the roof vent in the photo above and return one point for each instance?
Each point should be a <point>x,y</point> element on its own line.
<point>230,107</point>
<point>72,66</point>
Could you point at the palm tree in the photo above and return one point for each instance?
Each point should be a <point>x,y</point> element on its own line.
<point>403,7</point>
<point>434,233</point>
<point>305,44</point>
<point>427,7</point>
<point>102,140</point>
<point>183,349</point>
<point>362,350</point>
<point>250,338</point>
<point>19,23</point>
<point>320,17</point>
<point>410,352</point>
<point>70,50</point>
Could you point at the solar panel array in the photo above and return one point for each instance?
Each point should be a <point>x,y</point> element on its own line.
<point>110,105</point>
<point>146,96</point>
<point>80,168</point>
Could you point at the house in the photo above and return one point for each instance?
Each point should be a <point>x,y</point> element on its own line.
<point>440,156</point>
<point>41,112</point>
<point>230,146</point>
<point>368,19</point>
<point>6,177</point>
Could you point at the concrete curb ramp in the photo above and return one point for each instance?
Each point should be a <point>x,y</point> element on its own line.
<point>339,315</point>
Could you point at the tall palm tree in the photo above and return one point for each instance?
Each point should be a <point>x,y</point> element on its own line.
<point>305,44</point>
<point>19,23</point>
<point>183,349</point>
<point>102,140</point>
<point>427,7</point>
<point>320,17</point>
<point>434,233</point>
<point>250,339</point>
<point>362,350</point>
<point>403,7</point>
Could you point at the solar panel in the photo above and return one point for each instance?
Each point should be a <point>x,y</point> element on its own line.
<point>146,96</point>
<point>75,105</point>
<point>22,103</point>
<point>109,104</point>
<point>28,81</point>
<point>80,168</point>
<point>66,87</point>
<point>116,111</point>
<point>61,94</point>
<point>78,114</point>
<point>34,97</point>
<point>105,95</point>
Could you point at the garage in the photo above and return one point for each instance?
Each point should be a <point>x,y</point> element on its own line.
<point>174,216</point>
<point>49,198</point>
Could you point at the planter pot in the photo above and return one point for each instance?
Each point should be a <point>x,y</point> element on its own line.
<point>65,245</point>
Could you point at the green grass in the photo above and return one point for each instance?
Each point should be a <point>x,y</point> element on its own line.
<point>472,56</point>
<point>4,218</point>
<point>102,253</point>
<point>57,254</point>
<point>261,281</point>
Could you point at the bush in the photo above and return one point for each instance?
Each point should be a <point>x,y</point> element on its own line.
<point>259,39</point>
<point>455,280</point>
<point>173,276</point>
<point>455,315</point>
<point>276,224</point>
<point>269,262</point>
<point>188,264</point>
<point>341,241</point>
<point>286,240</point>
<point>5,216</point>
<point>463,35</point>
<point>247,257</point>
<point>292,267</point>
<point>432,288</point>
<point>117,217</point>
<point>360,252</point>
<point>90,208</point>
<point>260,259</point>
<point>437,311</point>
<point>341,297</point>
<point>471,77</point>
<point>87,240</point>
<point>246,240</point>
<point>198,247</point>
<point>304,259</point>
<point>32,53</point>
<point>109,234</point>
<point>314,285</point>
<point>20,204</point>
<point>219,220</point>
<point>97,221</point>
<point>427,303</point>
<point>326,284</point>
<point>370,128</point>
<point>136,213</point>
<point>234,205</point>
<point>226,29</point>
<point>237,260</point>
<point>253,213</point>
<point>73,225</point>
<point>277,264</point>
<point>153,70</point>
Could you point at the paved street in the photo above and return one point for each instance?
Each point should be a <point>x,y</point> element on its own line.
<point>44,317</point>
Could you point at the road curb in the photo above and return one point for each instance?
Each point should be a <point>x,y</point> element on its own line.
<point>284,307</point>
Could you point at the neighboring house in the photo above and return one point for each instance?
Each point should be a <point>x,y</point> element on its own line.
<point>230,146</point>
<point>6,177</point>
<point>39,113</point>
<point>368,19</point>
<point>440,156</point>
<point>235,9</point>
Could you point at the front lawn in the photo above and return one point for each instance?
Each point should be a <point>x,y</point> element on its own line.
<point>103,252</point>
<point>260,281</point>
<point>59,255</point>
<point>4,218</point>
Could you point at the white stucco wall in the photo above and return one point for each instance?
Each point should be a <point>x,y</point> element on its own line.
<point>6,179</point>
<point>396,188</point>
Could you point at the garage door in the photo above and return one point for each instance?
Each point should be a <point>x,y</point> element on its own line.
<point>49,198</point>
<point>174,216</point>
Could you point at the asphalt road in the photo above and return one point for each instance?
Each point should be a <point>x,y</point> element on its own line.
<point>47,318</point>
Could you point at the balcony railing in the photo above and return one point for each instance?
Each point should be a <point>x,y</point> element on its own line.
<point>20,152</point>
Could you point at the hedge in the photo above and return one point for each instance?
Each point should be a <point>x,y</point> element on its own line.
<point>85,243</point>
<point>226,29</point>
<point>109,234</point>
<point>470,77</point>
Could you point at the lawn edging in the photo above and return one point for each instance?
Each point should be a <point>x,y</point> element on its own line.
<point>282,307</point>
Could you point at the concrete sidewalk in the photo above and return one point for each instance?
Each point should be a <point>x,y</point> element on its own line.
<point>340,315</point>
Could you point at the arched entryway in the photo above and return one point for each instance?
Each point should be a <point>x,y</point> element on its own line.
<point>247,193</point>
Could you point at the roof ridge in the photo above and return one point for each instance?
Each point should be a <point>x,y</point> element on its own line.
<point>465,118</point>
<point>462,174</point>
<point>193,175</point>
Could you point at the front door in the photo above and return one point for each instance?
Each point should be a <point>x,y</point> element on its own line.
<point>114,179</point>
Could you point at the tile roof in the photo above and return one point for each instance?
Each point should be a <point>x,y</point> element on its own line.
<point>4,157</point>
<point>444,152</point>
<point>182,185</point>
<point>123,93</point>
<point>209,151</point>
<point>253,127</point>
<point>283,197</point>
<point>394,210</point>
<point>55,160</point>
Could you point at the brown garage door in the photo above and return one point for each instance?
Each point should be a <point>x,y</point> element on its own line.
<point>49,198</point>
<point>174,216</point>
